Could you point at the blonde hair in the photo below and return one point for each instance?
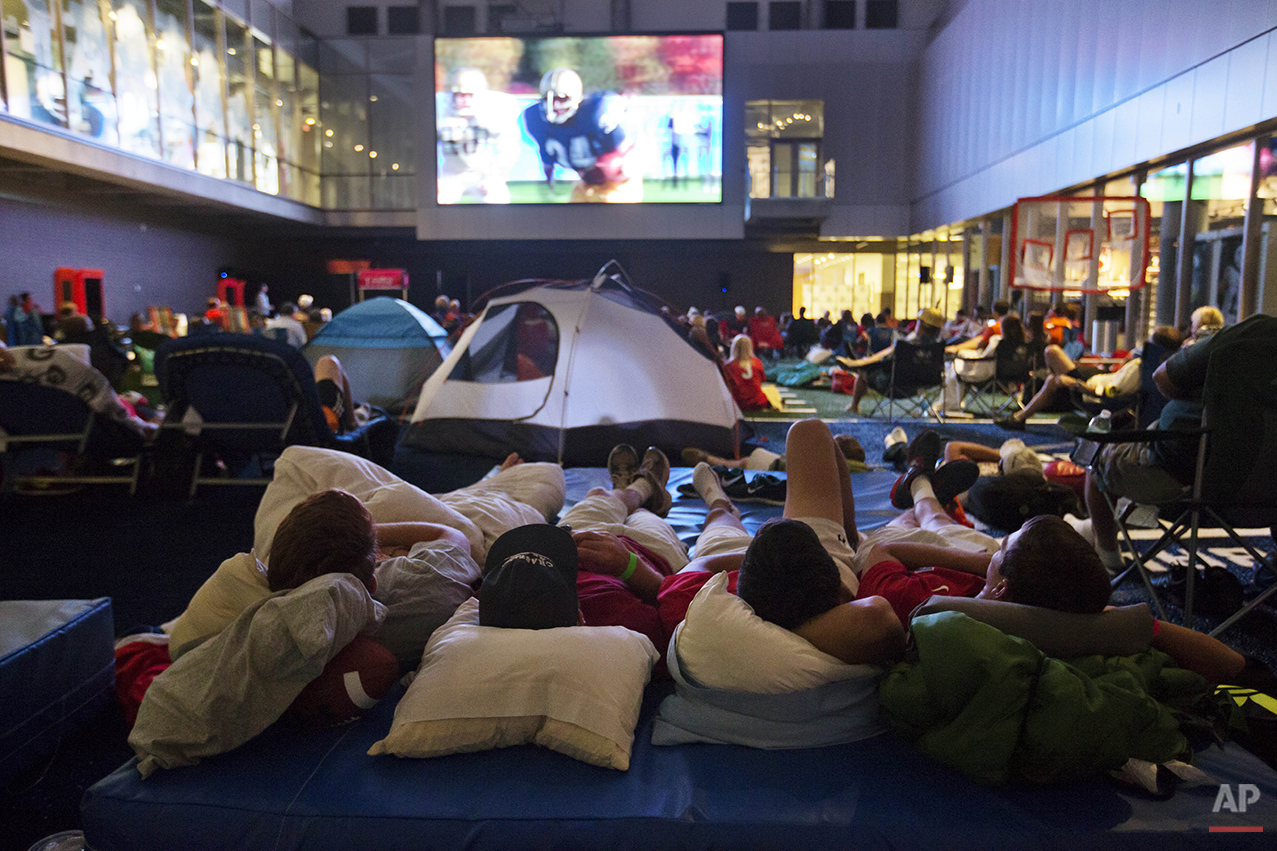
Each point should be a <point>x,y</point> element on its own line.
<point>742,348</point>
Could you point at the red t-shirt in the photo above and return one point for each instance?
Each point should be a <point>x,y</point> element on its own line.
<point>907,589</point>
<point>995,328</point>
<point>606,601</point>
<point>677,592</point>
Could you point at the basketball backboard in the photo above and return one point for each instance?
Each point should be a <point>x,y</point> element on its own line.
<point>1080,244</point>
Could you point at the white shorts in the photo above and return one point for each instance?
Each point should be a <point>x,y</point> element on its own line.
<point>725,539</point>
<point>606,513</point>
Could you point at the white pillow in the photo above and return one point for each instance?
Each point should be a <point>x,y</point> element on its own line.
<point>722,644</point>
<point>576,690</point>
<point>304,470</point>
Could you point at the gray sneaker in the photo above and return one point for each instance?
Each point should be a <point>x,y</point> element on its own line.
<point>655,468</point>
<point>622,465</point>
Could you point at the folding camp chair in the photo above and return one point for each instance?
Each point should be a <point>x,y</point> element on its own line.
<point>917,377</point>
<point>1012,369</point>
<point>37,415</point>
<point>1236,463</point>
<point>245,397</point>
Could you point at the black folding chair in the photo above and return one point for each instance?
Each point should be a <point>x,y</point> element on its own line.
<point>1012,369</point>
<point>1233,485</point>
<point>916,379</point>
<point>242,397</point>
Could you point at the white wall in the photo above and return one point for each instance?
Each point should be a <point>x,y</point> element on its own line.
<point>1019,99</point>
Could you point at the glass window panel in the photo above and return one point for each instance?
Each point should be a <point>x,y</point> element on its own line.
<point>782,170</point>
<point>176,82</point>
<point>238,8</point>
<point>394,191</point>
<point>262,17</point>
<point>210,117</point>
<point>33,61</point>
<point>808,160</point>
<point>239,96</point>
<point>344,115</point>
<point>760,170</point>
<point>1222,180</point>
<point>135,80</point>
<point>391,120</point>
<point>343,56</point>
<point>307,97</point>
<point>347,193</point>
<point>91,105</point>
<point>393,56</point>
<point>266,105</point>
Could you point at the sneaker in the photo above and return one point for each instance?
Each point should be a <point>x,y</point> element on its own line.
<point>655,468</point>
<point>622,465</point>
<point>901,497</point>
<point>924,449</point>
<point>949,480</point>
<point>708,486</point>
<point>693,456</point>
<point>896,435</point>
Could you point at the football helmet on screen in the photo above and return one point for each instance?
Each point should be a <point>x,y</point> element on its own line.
<point>561,92</point>
<point>466,86</point>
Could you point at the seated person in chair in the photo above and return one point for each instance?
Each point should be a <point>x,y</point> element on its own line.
<point>1154,473</point>
<point>1065,375</point>
<point>875,370</point>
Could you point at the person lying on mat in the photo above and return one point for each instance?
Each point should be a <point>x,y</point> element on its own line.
<point>1046,563</point>
<point>763,459</point>
<point>797,572</point>
<point>623,557</point>
<point>433,560</point>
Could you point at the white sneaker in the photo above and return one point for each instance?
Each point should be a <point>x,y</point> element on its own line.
<point>896,435</point>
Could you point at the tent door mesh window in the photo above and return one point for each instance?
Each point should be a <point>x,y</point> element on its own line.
<point>516,342</point>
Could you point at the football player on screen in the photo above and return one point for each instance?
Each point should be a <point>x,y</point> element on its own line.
<point>478,140</point>
<point>584,133</point>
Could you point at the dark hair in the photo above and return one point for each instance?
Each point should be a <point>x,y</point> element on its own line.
<point>867,320</point>
<point>1168,338</point>
<point>786,575</point>
<point>846,316</point>
<point>328,532</point>
<point>1002,307</point>
<point>1052,566</point>
<point>1013,330</point>
<point>1036,329</point>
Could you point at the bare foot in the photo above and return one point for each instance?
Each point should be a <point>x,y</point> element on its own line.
<point>511,460</point>
<point>853,408</point>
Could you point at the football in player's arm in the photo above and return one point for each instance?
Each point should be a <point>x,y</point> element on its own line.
<point>478,140</point>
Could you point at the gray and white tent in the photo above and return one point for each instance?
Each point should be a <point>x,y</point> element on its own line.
<point>387,347</point>
<point>563,371</point>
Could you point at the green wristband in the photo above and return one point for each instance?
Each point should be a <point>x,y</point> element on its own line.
<point>629,571</point>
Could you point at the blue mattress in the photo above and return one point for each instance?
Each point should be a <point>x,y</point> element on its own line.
<point>295,790</point>
<point>290,789</point>
<point>56,673</point>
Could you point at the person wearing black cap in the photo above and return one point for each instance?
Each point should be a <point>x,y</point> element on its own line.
<point>529,580</point>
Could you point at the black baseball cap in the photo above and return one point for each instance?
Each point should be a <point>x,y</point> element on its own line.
<point>529,579</point>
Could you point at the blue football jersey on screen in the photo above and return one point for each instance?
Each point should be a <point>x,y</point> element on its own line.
<point>594,130</point>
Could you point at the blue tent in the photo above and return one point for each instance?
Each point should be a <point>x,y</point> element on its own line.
<point>387,347</point>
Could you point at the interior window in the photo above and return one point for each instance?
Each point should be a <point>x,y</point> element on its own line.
<point>516,342</point>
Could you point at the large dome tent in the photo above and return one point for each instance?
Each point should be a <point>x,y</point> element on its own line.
<point>387,347</point>
<point>562,371</point>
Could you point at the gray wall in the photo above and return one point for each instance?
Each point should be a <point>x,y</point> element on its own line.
<point>147,260</point>
<point>1019,99</point>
